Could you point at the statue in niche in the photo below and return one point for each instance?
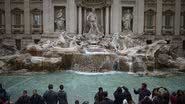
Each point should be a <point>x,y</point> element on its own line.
<point>127,18</point>
<point>92,20</point>
<point>60,20</point>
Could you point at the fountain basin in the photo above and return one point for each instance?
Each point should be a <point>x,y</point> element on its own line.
<point>83,85</point>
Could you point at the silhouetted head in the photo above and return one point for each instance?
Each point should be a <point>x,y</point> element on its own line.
<point>25,92</point>
<point>154,92</point>
<point>179,93</point>
<point>144,86</point>
<point>100,89</point>
<point>34,92</point>
<point>119,90</point>
<point>61,87</point>
<point>50,86</point>
<point>174,94</point>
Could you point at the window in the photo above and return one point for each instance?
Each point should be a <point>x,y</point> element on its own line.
<point>149,21</point>
<point>17,19</point>
<point>17,15</point>
<point>168,20</point>
<point>36,19</point>
<point>168,17</point>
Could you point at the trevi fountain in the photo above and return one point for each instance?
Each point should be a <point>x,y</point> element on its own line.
<point>89,60</point>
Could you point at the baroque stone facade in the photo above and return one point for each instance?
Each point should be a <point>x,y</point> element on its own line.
<point>25,21</point>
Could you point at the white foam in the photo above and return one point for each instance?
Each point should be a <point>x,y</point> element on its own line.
<point>131,73</point>
<point>95,73</point>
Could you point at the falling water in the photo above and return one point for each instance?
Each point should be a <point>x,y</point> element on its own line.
<point>130,64</point>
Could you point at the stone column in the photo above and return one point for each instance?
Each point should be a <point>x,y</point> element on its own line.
<point>46,14</point>
<point>102,17</point>
<point>51,17</point>
<point>115,10</point>
<point>177,16</point>
<point>85,16</point>
<point>107,21</point>
<point>72,24</point>
<point>80,20</point>
<point>27,16</point>
<point>159,17</point>
<point>140,4</point>
<point>8,17</point>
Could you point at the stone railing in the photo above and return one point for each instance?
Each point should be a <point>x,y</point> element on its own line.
<point>167,30</point>
<point>37,29</point>
<point>149,30</point>
<point>17,29</point>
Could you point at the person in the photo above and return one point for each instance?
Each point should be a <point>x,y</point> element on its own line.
<point>24,99</point>
<point>173,98</point>
<point>143,92</point>
<point>36,98</point>
<point>77,102</point>
<point>62,96</point>
<point>127,96</point>
<point>179,99</point>
<point>50,96</point>
<point>156,96</point>
<point>106,100</point>
<point>118,96</point>
<point>98,96</point>
<point>165,95</point>
<point>3,94</point>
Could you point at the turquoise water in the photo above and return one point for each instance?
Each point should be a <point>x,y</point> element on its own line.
<point>83,86</point>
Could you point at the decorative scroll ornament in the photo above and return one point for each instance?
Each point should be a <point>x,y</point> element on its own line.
<point>93,3</point>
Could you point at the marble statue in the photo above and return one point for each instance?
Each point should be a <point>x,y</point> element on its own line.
<point>115,41</point>
<point>127,18</point>
<point>60,20</point>
<point>92,20</point>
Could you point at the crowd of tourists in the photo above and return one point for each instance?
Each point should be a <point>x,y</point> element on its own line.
<point>122,95</point>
